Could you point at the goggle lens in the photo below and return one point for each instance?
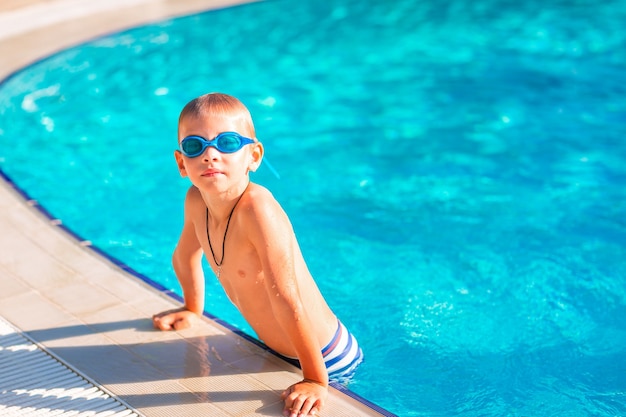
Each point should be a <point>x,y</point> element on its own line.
<point>191,147</point>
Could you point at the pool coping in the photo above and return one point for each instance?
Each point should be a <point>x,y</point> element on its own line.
<point>26,224</point>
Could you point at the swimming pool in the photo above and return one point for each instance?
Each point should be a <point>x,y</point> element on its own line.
<point>454,174</point>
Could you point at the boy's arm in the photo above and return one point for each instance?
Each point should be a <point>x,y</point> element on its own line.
<point>273,238</point>
<point>188,268</point>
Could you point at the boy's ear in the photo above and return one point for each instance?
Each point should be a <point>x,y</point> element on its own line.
<point>256,156</point>
<point>181,163</point>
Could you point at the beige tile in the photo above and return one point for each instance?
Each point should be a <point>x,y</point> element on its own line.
<point>275,409</point>
<point>125,325</point>
<point>110,278</point>
<point>236,396</point>
<point>10,285</point>
<point>30,311</point>
<point>16,256</point>
<point>270,370</point>
<point>181,404</point>
<point>150,303</point>
<point>44,274</point>
<point>80,298</point>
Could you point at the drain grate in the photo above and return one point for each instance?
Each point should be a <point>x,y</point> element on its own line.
<point>35,383</point>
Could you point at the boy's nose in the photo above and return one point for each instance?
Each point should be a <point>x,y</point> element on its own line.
<point>210,153</point>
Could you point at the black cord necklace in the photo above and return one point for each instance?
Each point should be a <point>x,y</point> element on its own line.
<point>220,263</point>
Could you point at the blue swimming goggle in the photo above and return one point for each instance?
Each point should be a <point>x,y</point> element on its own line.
<point>225,142</point>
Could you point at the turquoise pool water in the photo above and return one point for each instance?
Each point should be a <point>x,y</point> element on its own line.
<point>454,171</point>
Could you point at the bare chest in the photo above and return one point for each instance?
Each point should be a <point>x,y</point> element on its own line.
<point>235,264</point>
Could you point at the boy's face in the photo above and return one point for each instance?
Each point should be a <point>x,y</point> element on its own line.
<point>213,168</point>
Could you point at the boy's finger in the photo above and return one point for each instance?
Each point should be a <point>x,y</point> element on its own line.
<point>181,324</point>
<point>294,406</point>
<point>308,406</point>
<point>285,393</point>
<point>288,402</point>
<point>161,324</point>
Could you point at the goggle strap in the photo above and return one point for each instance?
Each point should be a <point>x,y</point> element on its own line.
<point>271,168</point>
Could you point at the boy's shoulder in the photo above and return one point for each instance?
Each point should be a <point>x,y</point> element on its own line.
<point>260,201</point>
<point>258,196</point>
<point>193,194</point>
<point>259,208</point>
<point>259,191</point>
<point>194,204</point>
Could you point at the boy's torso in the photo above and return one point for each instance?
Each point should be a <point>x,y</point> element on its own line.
<point>244,281</point>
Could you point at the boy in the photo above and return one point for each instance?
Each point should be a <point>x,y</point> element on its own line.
<point>250,244</point>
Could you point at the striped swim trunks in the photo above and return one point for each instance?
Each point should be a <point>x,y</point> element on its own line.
<point>341,355</point>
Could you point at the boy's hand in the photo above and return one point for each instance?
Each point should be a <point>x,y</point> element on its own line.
<point>177,319</point>
<point>304,398</point>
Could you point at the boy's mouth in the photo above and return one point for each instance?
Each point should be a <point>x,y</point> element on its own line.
<point>211,172</point>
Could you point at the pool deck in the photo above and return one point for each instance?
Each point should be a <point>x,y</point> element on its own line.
<point>93,314</point>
